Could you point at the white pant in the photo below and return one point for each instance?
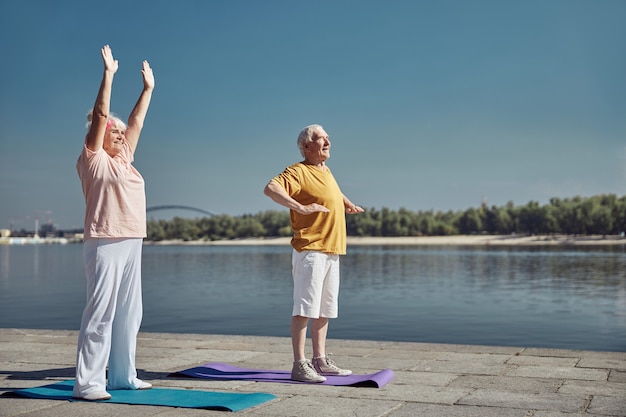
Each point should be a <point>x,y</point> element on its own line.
<point>112,315</point>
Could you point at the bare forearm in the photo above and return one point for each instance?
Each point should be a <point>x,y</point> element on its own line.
<point>101,108</point>
<point>137,118</point>
<point>100,113</point>
<point>102,105</point>
<point>277,193</point>
<point>138,115</point>
<point>274,191</point>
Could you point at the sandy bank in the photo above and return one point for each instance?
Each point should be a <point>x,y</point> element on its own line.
<point>458,240</point>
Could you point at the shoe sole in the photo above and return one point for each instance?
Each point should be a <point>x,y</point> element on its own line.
<point>93,399</point>
<point>309,380</point>
<point>329,374</point>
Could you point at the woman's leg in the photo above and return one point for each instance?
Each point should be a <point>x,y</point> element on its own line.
<point>128,315</point>
<point>103,268</point>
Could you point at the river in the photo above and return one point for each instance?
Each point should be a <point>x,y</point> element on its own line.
<point>556,297</point>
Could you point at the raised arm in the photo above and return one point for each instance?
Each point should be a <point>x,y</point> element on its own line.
<point>277,193</point>
<point>138,115</point>
<point>101,109</point>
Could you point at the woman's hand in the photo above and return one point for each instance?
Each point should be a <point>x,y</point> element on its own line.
<point>148,76</point>
<point>110,64</point>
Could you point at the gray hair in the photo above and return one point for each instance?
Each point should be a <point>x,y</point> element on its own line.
<point>306,136</point>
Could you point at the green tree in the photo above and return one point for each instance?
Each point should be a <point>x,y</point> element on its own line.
<point>426,223</point>
<point>155,231</point>
<point>184,229</point>
<point>532,218</point>
<point>274,222</point>
<point>470,222</point>
<point>248,226</point>
<point>602,214</point>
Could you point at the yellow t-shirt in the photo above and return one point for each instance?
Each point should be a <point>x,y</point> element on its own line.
<point>324,232</point>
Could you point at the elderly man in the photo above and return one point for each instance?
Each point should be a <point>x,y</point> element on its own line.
<point>317,210</point>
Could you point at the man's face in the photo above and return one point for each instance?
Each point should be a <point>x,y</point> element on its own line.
<point>319,147</point>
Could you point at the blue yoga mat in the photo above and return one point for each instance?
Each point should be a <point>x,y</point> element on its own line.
<point>224,401</point>
<point>222,371</point>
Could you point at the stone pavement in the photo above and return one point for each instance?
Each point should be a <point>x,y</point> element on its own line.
<point>430,379</point>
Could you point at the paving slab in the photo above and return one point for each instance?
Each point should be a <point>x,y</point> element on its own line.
<point>587,374</point>
<point>607,406</point>
<point>526,401</point>
<point>617,376</point>
<point>435,410</point>
<point>430,379</point>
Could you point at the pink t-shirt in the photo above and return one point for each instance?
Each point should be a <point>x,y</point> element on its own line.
<point>115,194</point>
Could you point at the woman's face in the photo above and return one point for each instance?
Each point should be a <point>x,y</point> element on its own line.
<point>114,139</point>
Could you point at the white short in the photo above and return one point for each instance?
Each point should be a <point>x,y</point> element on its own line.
<point>315,284</point>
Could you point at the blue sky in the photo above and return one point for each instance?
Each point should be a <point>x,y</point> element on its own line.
<point>428,104</point>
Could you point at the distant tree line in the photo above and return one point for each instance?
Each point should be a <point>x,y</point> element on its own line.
<point>602,215</point>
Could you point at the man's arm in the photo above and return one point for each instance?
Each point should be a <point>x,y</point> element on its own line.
<point>277,193</point>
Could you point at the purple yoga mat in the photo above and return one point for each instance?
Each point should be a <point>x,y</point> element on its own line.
<point>225,372</point>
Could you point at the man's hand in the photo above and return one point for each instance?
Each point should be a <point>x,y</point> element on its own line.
<point>312,208</point>
<point>354,209</point>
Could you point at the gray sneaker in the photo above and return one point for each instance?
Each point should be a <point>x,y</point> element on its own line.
<point>303,371</point>
<point>326,366</point>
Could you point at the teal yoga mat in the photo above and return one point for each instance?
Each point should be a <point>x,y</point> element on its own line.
<point>167,397</point>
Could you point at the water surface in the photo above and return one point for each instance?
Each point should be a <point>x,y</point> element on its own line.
<point>560,297</point>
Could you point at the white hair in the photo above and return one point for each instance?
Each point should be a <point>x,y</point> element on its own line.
<point>112,120</point>
<point>306,136</point>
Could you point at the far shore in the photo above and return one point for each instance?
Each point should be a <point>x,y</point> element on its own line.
<point>457,240</point>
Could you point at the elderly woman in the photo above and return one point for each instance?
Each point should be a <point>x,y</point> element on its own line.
<point>317,210</point>
<point>115,225</point>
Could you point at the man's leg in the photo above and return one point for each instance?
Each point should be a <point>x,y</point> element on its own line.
<point>319,330</point>
<point>298,336</point>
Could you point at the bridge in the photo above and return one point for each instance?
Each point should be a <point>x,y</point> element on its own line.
<point>187,208</point>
